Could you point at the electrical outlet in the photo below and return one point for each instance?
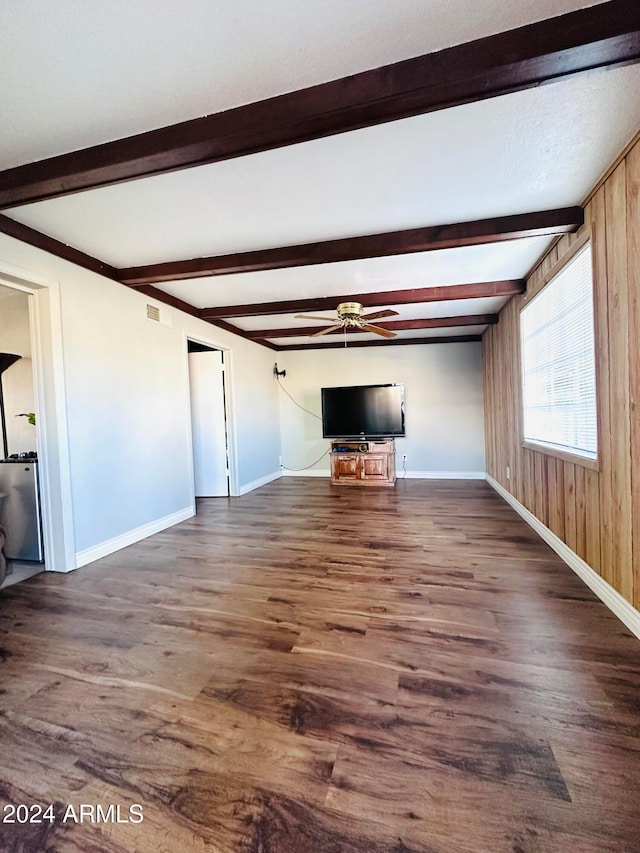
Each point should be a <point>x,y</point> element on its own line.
<point>404,457</point>
<point>508,473</point>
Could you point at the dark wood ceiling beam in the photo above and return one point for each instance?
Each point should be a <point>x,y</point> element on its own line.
<point>75,256</point>
<point>55,247</point>
<point>391,325</point>
<point>397,342</point>
<point>481,231</point>
<point>602,36</point>
<point>229,327</point>
<point>439,293</point>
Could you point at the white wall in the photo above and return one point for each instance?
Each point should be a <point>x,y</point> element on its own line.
<point>443,397</point>
<point>256,400</point>
<point>17,380</point>
<point>127,401</point>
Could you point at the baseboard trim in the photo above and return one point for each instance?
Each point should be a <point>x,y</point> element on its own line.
<point>261,481</point>
<point>616,603</point>
<point>90,555</point>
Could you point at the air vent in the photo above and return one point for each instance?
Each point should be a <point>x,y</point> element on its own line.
<point>159,314</point>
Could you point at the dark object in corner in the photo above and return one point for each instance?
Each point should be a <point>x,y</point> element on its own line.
<point>3,562</point>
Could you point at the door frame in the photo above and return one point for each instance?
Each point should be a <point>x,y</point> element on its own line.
<point>45,318</point>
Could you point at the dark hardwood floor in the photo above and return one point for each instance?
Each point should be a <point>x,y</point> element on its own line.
<point>327,669</point>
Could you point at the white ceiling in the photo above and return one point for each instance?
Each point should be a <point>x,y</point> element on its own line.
<point>532,150</point>
<point>81,72</point>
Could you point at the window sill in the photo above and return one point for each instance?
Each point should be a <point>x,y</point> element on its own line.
<point>565,455</point>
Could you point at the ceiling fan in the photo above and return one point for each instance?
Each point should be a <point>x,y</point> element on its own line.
<point>350,316</point>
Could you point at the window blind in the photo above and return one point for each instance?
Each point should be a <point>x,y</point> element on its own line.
<point>558,361</point>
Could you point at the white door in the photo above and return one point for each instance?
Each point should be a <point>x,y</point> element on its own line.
<point>208,424</point>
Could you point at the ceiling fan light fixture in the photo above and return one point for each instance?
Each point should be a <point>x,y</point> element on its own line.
<point>350,312</point>
<point>350,317</point>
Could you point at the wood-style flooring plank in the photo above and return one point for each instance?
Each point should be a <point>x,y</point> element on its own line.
<point>308,669</point>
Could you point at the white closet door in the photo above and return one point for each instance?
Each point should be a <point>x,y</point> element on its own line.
<point>208,424</point>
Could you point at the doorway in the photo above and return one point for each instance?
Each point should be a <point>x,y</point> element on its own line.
<point>21,546</point>
<point>50,430</point>
<point>209,429</point>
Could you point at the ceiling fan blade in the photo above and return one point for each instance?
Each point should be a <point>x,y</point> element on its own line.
<point>310,317</point>
<point>388,312</point>
<point>378,330</point>
<point>325,331</point>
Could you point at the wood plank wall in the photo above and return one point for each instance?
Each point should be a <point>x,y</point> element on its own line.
<point>595,512</point>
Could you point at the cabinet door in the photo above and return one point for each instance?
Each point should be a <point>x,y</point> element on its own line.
<point>374,467</point>
<point>345,466</point>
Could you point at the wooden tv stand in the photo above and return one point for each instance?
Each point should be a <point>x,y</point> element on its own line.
<point>363,463</point>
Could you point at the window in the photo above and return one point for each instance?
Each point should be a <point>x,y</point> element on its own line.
<point>558,362</point>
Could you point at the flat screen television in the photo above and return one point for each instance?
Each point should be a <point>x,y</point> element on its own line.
<point>363,411</point>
